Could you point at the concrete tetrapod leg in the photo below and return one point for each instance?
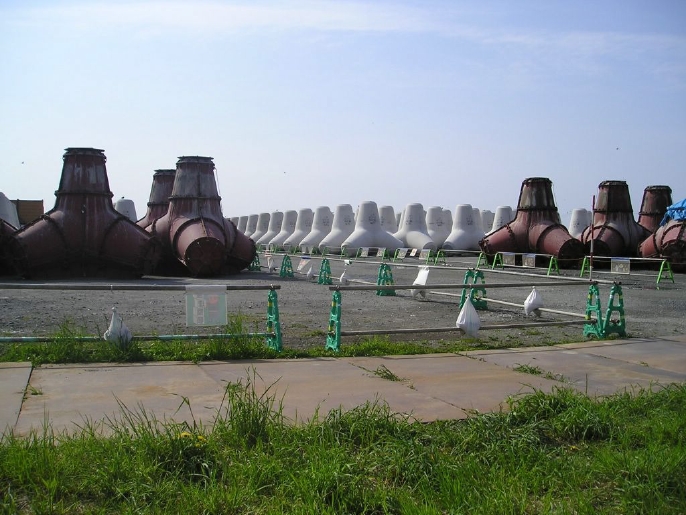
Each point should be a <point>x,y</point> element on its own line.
<point>321,227</point>
<point>251,225</point>
<point>342,227</point>
<point>465,234</point>
<point>387,219</point>
<point>578,222</point>
<point>242,223</point>
<point>368,232</point>
<point>436,224</point>
<point>413,231</point>
<point>261,228</point>
<point>503,216</point>
<point>303,227</point>
<point>290,217</point>
<point>275,223</point>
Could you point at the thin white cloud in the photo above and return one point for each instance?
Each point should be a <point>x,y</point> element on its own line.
<point>583,51</point>
<point>222,16</point>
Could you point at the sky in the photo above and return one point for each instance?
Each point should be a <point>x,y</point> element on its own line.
<point>320,103</point>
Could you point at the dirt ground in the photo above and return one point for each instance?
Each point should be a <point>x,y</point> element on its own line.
<point>304,306</point>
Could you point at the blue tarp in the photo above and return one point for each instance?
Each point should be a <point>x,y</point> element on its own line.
<point>675,212</point>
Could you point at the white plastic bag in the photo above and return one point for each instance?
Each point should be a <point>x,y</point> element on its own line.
<point>343,279</point>
<point>117,332</point>
<point>533,302</point>
<point>468,319</point>
<point>422,278</point>
<point>310,274</point>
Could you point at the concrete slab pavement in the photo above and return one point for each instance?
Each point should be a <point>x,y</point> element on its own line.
<point>426,387</point>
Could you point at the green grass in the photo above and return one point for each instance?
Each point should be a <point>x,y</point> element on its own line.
<point>549,453</point>
<point>66,347</point>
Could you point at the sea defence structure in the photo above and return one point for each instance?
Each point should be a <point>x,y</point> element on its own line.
<point>437,225</point>
<point>656,200</point>
<point>465,234</point>
<point>536,227</point>
<point>83,235</point>
<point>413,231</point>
<point>321,227</point>
<point>303,227</point>
<point>194,230</point>
<point>158,202</point>
<point>614,231</point>
<point>342,227</point>
<point>368,232</point>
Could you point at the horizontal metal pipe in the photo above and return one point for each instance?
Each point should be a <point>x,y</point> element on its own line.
<point>161,337</point>
<point>134,287</point>
<point>459,286</point>
<point>454,329</point>
<point>514,304</point>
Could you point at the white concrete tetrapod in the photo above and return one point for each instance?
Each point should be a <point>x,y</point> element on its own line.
<point>321,226</point>
<point>476,213</point>
<point>368,232</point>
<point>465,234</point>
<point>413,231</point>
<point>262,227</point>
<point>275,221</point>
<point>387,219</point>
<point>342,227</point>
<point>234,220</point>
<point>8,211</point>
<point>578,222</point>
<point>303,227</point>
<point>251,226</point>
<point>127,208</point>
<point>436,225</point>
<point>242,223</point>
<point>487,217</point>
<point>448,220</point>
<point>287,228</point>
<point>503,216</point>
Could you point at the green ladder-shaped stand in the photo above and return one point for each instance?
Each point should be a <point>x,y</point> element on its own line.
<point>274,341</point>
<point>604,326</point>
<point>665,272</point>
<point>255,266</point>
<point>385,278</point>
<point>324,273</point>
<point>476,295</point>
<point>333,332</point>
<point>483,259</point>
<point>286,267</point>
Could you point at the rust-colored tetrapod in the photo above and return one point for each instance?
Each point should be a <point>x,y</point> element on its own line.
<point>668,242</point>
<point>536,227</point>
<point>614,230</point>
<point>158,202</point>
<point>242,253</point>
<point>656,200</point>
<point>194,230</point>
<point>5,261</point>
<point>83,235</point>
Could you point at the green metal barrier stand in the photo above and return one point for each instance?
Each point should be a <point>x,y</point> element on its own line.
<point>333,333</point>
<point>604,326</point>
<point>385,278</point>
<point>286,267</point>
<point>273,324</point>
<point>476,295</point>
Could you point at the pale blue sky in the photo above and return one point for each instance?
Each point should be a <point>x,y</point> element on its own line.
<point>309,103</point>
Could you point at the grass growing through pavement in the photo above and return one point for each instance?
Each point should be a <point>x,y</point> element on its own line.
<point>550,453</point>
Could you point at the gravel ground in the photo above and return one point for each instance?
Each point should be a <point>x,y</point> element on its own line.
<point>304,305</point>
